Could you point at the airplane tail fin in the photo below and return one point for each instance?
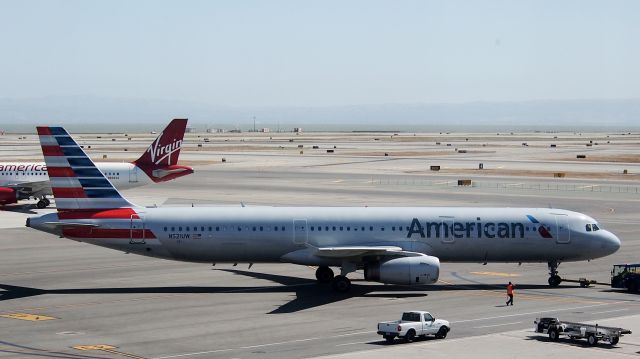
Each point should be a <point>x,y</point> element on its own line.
<point>160,160</point>
<point>76,182</point>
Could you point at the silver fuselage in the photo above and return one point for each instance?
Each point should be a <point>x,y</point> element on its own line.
<point>292,234</point>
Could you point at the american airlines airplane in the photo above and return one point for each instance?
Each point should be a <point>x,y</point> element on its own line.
<point>157,164</point>
<point>394,245</point>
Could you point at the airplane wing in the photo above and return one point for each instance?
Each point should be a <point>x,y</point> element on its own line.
<point>29,188</point>
<point>357,251</point>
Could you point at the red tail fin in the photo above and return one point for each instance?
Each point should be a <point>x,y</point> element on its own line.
<point>165,149</point>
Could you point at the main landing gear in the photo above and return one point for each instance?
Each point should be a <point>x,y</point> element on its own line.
<point>554,278</point>
<point>339,283</point>
<point>43,203</point>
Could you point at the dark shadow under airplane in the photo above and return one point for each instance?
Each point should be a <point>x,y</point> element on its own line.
<point>308,294</point>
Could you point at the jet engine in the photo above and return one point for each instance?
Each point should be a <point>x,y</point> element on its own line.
<point>8,195</point>
<point>405,270</point>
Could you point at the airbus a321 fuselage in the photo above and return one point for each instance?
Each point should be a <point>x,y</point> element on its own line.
<point>395,245</point>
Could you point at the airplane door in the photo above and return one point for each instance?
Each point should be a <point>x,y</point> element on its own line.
<point>300,231</point>
<point>136,231</point>
<point>563,234</point>
<point>133,174</point>
<point>446,231</point>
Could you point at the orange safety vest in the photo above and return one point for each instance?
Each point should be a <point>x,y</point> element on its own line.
<point>510,289</point>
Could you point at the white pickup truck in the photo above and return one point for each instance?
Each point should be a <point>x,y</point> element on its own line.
<point>414,324</point>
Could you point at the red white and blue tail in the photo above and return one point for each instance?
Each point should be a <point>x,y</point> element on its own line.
<point>76,182</point>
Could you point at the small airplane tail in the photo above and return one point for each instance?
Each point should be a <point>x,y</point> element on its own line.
<point>77,184</point>
<point>160,160</point>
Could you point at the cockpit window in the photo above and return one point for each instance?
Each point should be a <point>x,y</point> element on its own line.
<point>595,227</point>
<point>589,227</point>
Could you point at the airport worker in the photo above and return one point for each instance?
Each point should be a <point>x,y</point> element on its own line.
<point>510,287</point>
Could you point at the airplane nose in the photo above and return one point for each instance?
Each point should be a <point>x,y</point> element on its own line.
<point>613,242</point>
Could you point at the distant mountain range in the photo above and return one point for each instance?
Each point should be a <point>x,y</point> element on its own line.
<point>91,114</point>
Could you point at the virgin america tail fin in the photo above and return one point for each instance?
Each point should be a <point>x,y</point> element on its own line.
<point>76,182</point>
<point>160,160</point>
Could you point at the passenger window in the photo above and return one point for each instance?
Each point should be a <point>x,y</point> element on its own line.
<point>382,229</point>
<point>589,227</point>
<point>165,229</point>
<point>239,228</point>
<point>282,228</point>
<point>275,228</point>
<point>173,229</point>
<point>334,228</point>
<point>371,228</point>
<point>393,228</point>
<point>261,228</point>
<point>210,229</point>
<point>348,228</point>
<point>254,228</point>
<point>180,229</point>
<point>187,229</point>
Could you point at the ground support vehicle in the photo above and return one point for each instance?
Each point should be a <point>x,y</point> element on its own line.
<point>414,324</point>
<point>626,276</point>
<point>592,332</point>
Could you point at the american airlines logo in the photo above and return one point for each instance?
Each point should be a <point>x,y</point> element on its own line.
<point>158,152</point>
<point>452,229</point>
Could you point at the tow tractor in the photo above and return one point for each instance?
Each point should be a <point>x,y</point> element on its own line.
<point>592,332</point>
<point>626,276</point>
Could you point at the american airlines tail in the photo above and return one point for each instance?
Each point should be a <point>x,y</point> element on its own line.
<point>159,161</point>
<point>76,182</point>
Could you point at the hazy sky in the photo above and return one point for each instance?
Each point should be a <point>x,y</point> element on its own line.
<point>322,53</point>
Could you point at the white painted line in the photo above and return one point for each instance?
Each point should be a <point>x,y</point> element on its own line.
<point>531,313</point>
<point>353,343</point>
<point>611,311</point>
<point>496,325</point>
<point>262,345</point>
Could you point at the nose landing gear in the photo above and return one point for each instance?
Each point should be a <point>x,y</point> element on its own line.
<point>554,278</point>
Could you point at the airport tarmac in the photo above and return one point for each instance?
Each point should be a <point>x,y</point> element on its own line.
<point>64,299</point>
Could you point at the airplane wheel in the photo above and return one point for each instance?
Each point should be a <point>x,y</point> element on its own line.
<point>341,284</point>
<point>324,274</point>
<point>41,204</point>
<point>555,280</point>
<point>47,202</point>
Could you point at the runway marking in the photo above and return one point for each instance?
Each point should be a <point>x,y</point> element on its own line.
<point>27,316</point>
<point>496,325</point>
<point>496,274</point>
<point>106,348</point>
<point>262,345</point>
<point>352,343</point>
<point>611,311</point>
<point>337,181</point>
<point>536,312</point>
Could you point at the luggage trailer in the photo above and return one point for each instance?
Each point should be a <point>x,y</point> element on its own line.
<point>592,332</point>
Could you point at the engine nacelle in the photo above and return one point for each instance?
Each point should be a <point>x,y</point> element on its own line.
<point>8,195</point>
<point>405,270</point>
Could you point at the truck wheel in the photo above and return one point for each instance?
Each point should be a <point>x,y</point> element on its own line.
<point>592,340</point>
<point>442,333</point>
<point>553,335</point>
<point>411,335</point>
<point>389,338</point>
<point>615,340</point>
